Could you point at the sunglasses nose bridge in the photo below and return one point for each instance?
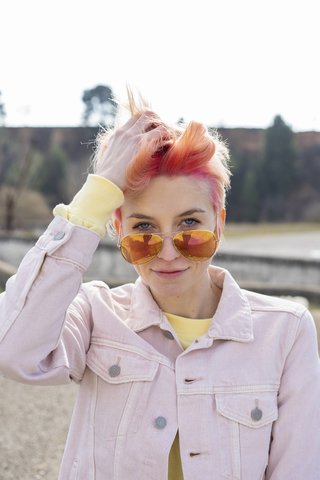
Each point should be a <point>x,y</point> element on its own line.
<point>167,251</point>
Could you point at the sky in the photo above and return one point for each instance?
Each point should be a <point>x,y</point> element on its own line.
<point>225,63</point>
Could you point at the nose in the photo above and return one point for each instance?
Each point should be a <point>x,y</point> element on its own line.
<point>168,251</point>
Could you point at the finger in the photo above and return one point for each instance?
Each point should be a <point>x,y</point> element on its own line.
<point>129,124</point>
<point>160,131</point>
<point>146,122</point>
<point>139,122</point>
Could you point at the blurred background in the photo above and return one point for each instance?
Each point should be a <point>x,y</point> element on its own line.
<point>248,69</point>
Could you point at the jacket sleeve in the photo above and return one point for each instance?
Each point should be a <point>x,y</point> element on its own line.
<point>45,318</point>
<point>295,445</point>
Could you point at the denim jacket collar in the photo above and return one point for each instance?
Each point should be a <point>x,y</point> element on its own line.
<point>231,321</point>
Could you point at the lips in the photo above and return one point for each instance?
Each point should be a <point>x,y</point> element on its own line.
<point>170,273</point>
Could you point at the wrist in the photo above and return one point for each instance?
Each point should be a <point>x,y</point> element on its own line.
<point>117,179</point>
<point>94,203</point>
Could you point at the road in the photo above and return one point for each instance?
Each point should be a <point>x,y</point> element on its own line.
<point>291,245</point>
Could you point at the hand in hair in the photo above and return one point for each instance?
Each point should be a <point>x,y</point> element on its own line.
<point>124,144</point>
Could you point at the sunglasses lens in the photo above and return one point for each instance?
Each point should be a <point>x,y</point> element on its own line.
<point>197,245</point>
<point>140,248</point>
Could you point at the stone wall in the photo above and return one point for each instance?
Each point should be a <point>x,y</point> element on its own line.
<point>275,276</point>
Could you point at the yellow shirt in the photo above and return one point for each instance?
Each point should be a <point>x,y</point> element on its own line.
<point>187,330</point>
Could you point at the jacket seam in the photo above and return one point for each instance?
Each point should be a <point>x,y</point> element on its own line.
<point>69,261</point>
<point>21,300</point>
<point>294,336</point>
<point>231,389</point>
<point>132,349</point>
<point>296,313</point>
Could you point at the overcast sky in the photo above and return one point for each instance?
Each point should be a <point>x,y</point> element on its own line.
<point>228,62</point>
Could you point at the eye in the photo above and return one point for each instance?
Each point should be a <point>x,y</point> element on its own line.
<point>142,226</point>
<point>190,222</point>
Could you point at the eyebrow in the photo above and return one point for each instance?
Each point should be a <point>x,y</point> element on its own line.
<point>141,216</point>
<point>191,212</point>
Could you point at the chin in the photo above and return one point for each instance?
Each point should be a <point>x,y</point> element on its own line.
<point>168,287</point>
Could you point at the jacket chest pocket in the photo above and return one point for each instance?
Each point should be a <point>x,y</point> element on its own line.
<point>245,422</point>
<point>123,385</point>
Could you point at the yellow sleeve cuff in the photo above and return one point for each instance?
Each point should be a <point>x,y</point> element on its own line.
<point>93,205</point>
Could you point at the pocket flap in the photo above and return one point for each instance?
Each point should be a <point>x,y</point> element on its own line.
<point>251,409</point>
<point>116,366</point>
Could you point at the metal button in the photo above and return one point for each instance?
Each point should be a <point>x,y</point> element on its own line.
<point>256,414</point>
<point>168,334</point>
<point>160,422</point>
<point>114,370</point>
<point>58,236</point>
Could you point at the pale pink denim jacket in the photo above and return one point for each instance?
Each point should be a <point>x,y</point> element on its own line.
<point>245,396</point>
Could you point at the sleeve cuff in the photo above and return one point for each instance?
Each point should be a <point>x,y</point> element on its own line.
<point>93,205</point>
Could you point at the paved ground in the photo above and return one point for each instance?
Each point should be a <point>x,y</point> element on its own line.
<point>33,427</point>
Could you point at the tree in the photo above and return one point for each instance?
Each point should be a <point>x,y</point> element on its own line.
<point>99,106</point>
<point>280,158</point>
<point>2,111</point>
<point>50,176</point>
<point>14,193</point>
<point>279,172</point>
<point>244,198</point>
<point>181,122</point>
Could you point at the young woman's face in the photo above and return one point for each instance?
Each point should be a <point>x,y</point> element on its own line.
<point>170,205</point>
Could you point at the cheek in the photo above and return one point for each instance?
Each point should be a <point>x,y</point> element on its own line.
<point>202,267</point>
<point>141,270</point>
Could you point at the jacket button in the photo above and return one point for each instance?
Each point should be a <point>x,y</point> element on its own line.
<point>168,334</point>
<point>160,422</point>
<point>58,236</point>
<point>256,414</point>
<point>114,370</point>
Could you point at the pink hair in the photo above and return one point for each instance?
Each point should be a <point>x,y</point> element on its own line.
<point>190,151</point>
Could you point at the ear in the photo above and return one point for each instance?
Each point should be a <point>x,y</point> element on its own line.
<point>221,220</point>
<point>117,225</point>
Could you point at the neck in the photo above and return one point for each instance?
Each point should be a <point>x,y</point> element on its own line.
<point>201,303</point>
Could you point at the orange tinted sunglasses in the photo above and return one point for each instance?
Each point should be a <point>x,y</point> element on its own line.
<point>196,245</point>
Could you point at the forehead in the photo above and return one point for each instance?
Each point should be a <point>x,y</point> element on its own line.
<point>170,196</point>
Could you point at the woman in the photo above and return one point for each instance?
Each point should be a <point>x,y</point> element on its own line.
<point>183,374</point>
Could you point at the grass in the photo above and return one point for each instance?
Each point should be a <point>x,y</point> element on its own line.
<point>234,230</point>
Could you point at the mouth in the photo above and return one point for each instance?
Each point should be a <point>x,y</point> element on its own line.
<point>170,273</point>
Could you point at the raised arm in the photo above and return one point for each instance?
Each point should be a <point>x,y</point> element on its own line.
<point>45,317</point>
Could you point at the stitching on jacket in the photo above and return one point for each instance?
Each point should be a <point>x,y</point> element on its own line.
<point>68,261</point>
<point>255,388</point>
<point>294,336</point>
<point>22,298</point>
<point>146,377</point>
<point>130,348</point>
<point>238,417</point>
<point>279,310</point>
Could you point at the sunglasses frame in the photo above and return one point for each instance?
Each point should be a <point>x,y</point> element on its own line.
<point>164,235</point>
